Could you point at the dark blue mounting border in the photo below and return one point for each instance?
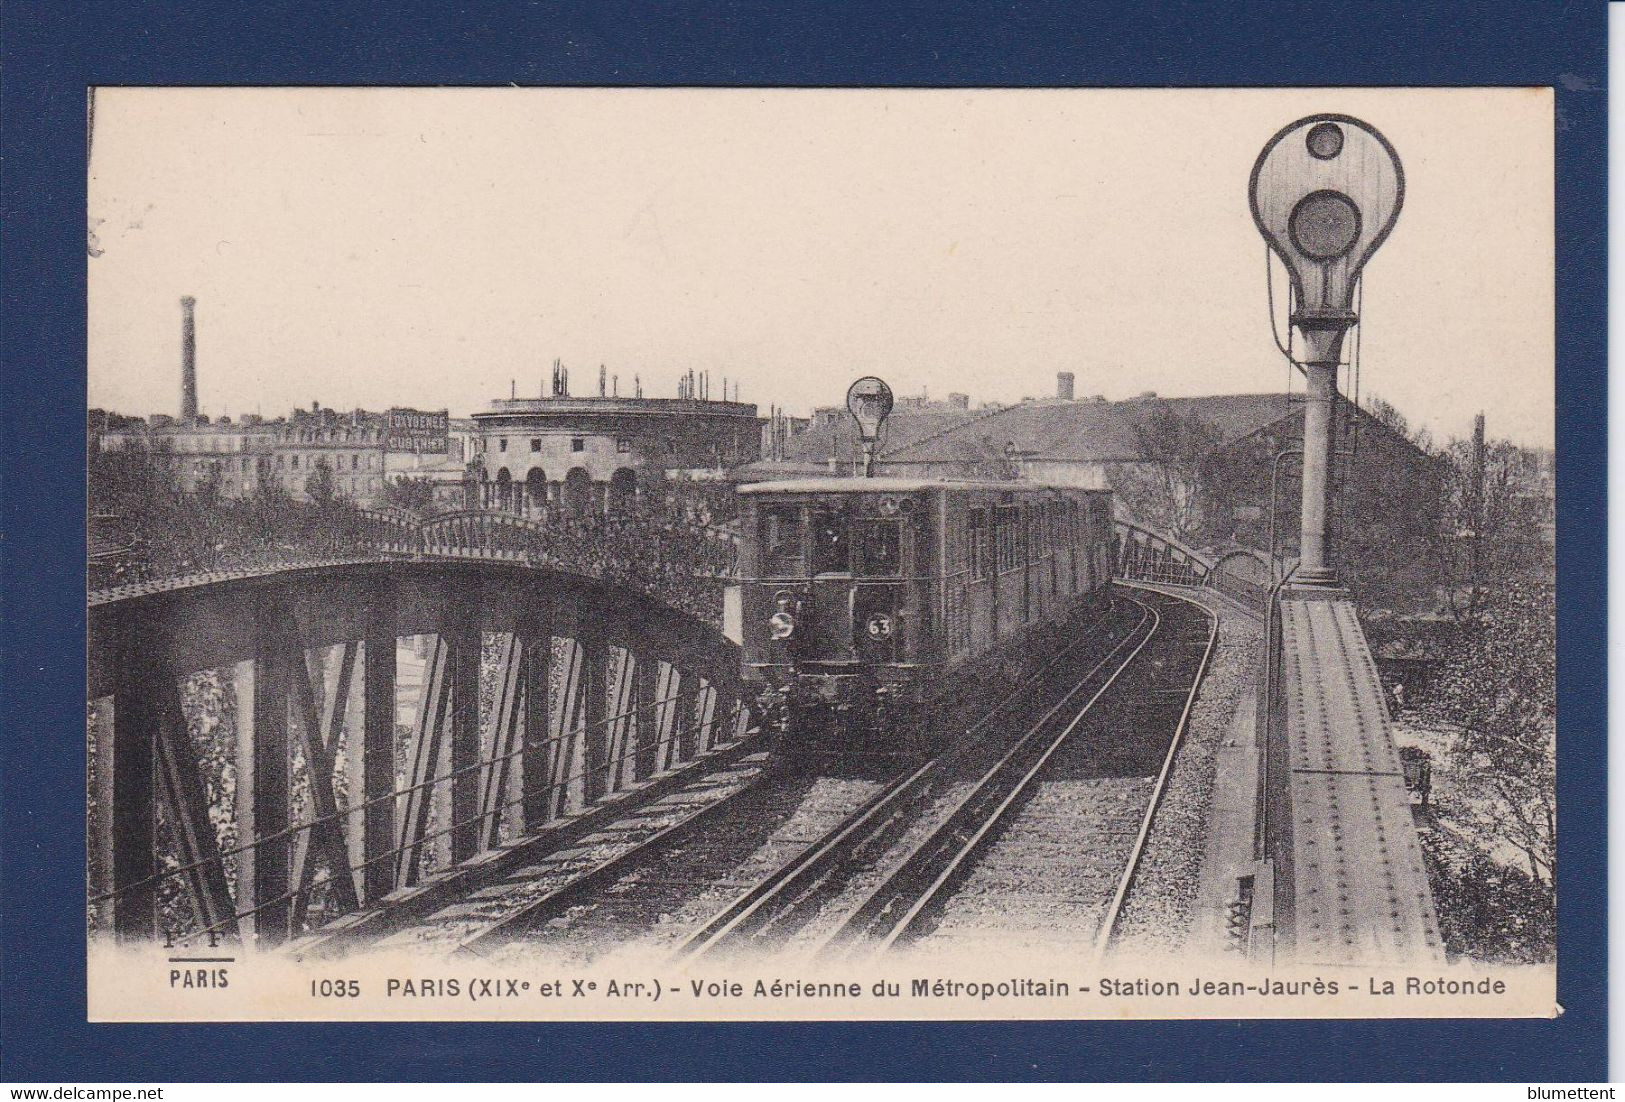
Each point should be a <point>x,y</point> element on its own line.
<point>54,49</point>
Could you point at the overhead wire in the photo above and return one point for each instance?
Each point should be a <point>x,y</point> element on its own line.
<point>1275,331</point>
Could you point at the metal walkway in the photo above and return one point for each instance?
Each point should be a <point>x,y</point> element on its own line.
<point>1356,889</point>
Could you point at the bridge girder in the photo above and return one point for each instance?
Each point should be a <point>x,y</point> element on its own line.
<point>643,687</point>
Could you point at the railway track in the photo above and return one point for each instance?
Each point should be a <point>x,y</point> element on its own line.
<point>669,868</point>
<point>1045,849</point>
<point>966,794</point>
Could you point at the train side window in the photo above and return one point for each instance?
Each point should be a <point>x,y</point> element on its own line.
<point>831,545</point>
<point>879,547</point>
<point>781,539</point>
<point>976,548</point>
<point>1005,522</point>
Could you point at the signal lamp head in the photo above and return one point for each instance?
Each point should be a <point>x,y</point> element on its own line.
<point>1324,225</point>
<point>1325,192</point>
<point>869,401</point>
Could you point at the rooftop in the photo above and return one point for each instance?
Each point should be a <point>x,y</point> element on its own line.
<point>1088,431</point>
<point>541,407</point>
<point>887,484</point>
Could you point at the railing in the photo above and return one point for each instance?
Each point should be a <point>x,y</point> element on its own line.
<point>1144,555</point>
<point>1236,576</point>
<point>1147,556</point>
<point>671,559</point>
<point>701,551</point>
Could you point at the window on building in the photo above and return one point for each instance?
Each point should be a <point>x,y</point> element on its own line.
<point>535,444</point>
<point>502,444</point>
<point>296,462</point>
<point>355,462</point>
<point>623,444</point>
<point>578,443</point>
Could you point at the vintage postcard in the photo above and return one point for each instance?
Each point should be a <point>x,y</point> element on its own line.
<point>609,554</point>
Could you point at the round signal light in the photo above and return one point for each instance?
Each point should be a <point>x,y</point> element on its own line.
<point>1325,140</point>
<point>1324,225</point>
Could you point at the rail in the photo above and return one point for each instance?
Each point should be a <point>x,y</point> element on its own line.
<point>797,887</point>
<point>1114,910</point>
<point>896,912</point>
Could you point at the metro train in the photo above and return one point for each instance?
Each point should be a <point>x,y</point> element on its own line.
<point>865,600</point>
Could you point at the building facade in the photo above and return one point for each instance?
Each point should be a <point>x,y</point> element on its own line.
<point>602,453</point>
<point>229,456</point>
<point>350,445</point>
<point>240,459</point>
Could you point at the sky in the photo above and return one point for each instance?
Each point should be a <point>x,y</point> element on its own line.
<point>434,247</point>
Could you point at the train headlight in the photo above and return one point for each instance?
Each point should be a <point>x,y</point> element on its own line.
<point>782,624</point>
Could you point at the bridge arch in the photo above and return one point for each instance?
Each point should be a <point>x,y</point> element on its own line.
<point>535,487</point>
<point>578,490</point>
<point>623,490</point>
<point>1244,574</point>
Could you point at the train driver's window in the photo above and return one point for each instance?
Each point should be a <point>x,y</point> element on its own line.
<point>880,547</point>
<point>831,550</point>
<point>781,539</point>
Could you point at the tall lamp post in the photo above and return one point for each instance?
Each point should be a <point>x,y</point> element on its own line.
<point>1325,192</point>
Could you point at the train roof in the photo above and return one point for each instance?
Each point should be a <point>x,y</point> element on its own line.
<point>893,485</point>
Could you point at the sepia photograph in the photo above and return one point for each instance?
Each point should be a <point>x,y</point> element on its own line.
<point>842,554</point>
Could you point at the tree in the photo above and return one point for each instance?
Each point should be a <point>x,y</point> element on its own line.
<point>415,495</point>
<point>1389,514</point>
<point>1497,523</point>
<point>320,485</point>
<point>1387,414</point>
<point>210,487</point>
<point>136,479</point>
<point>1387,503</point>
<point>1498,690</point>
<point>1165,489</point>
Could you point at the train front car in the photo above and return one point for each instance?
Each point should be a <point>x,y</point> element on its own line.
<point>839,577</point>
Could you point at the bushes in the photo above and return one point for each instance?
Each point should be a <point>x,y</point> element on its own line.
<point>1489,912</point>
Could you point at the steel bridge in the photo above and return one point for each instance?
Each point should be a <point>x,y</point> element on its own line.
<point>313,809</point>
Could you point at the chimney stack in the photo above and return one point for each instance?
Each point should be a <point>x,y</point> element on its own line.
<point>188,361</point>
<point>1064,382</point>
